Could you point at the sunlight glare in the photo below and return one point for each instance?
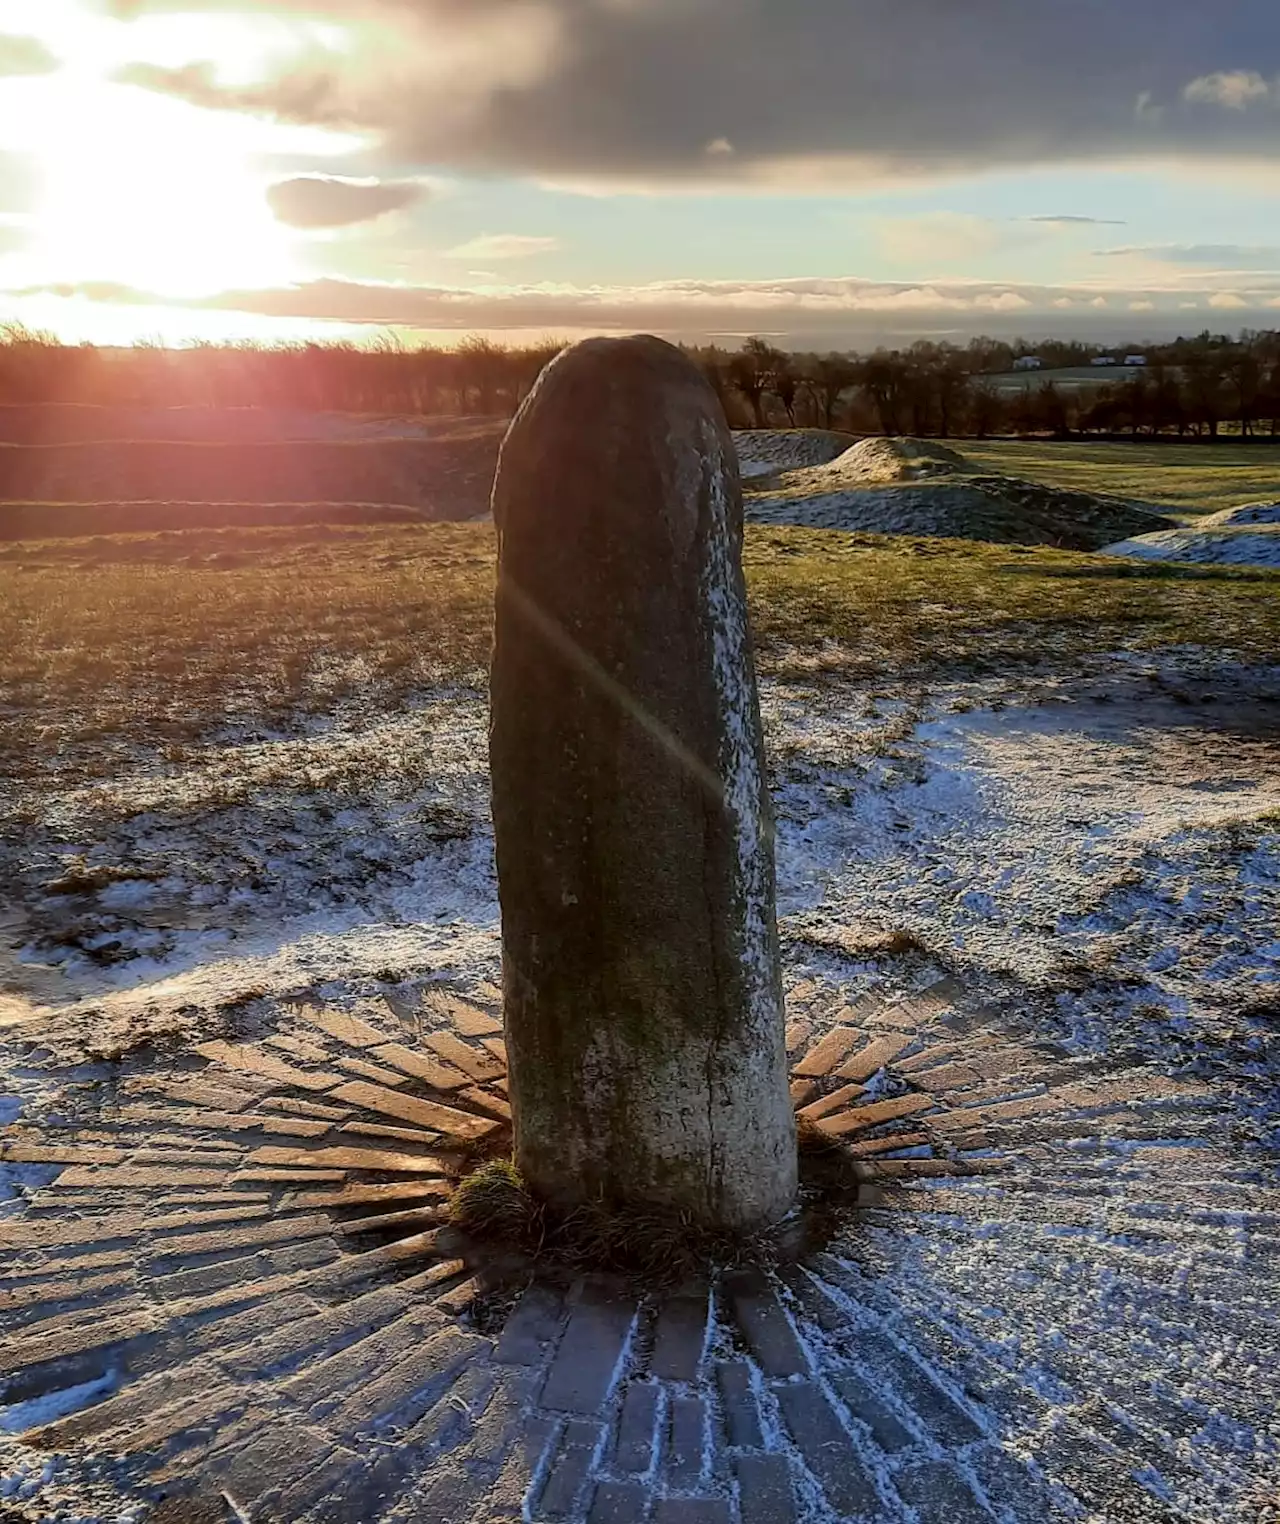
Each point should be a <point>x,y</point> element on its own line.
<point>153,193</point>
<point>140,188</point>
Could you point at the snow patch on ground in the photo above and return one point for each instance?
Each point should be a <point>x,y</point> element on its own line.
<point>936,497</point>
<point>1246,513</point>
<point>1108,851</point>
<point>879,462</point>
<point>1227,546</point>
<point>765,452</point>
<point>1118,857</point>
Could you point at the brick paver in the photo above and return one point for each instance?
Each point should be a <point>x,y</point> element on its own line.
<point>619,1503</point>
<point>237,1279</point>
<point>638,1427</point>
<point>764,1324</point>
<point>828,1449</point>
<point>680,1337</point>
<point>940,1495</point>
<point>692,1511</point>
<point>686,1441</point>
<point>569,1477</point>
<point>589,1359</point>
<point>533,1328</point>
<point>738,1403</point>
<point>765,1489</point>
<point>940,1414</point>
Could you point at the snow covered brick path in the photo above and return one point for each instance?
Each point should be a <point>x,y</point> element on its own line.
<point>231,1285</point>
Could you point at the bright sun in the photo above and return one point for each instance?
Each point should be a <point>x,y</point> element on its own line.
<point>140,189</point>
<point>150,193</point>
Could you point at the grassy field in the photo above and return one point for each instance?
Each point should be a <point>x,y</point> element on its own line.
<point>1072,378</point>
<point>116,649</point>
<point>1192,479</point>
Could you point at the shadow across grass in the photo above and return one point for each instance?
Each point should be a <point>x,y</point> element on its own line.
<point>1152,571</point>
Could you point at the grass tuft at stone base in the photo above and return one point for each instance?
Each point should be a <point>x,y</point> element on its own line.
<point>654,1247</point>
<point>493,1205</point>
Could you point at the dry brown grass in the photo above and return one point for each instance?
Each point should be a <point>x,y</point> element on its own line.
<point>117,644</point>
<point>900,605</point>
<point>133,646</point>
<point>657,1247</point>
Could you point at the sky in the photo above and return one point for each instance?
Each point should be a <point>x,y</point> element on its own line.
<point>831,174</point>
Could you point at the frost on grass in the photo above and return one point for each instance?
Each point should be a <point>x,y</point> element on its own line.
<point>1111,852</point>
<point>1106,851</point>
<point>268,864</point>
<point>1098,855</point>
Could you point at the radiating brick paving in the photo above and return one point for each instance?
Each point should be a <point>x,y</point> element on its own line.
<point>238,1288</point>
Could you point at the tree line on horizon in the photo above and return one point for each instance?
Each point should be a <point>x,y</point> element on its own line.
<point>1194,387</point>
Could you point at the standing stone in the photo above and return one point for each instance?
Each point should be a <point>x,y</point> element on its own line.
<point>643,1002</point>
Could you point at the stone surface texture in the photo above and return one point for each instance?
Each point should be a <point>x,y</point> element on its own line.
<point>642,994</point>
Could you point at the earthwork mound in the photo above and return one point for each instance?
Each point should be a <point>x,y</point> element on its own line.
<point>766,452</point>
<point>876,461</point>
<point>1247,513</point>
<point>1248,535</point>
<point>914,486</point>
<point>193,467</point>
<point>1259,546</point>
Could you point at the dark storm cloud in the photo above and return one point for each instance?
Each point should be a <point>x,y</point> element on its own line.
<point>328,201</point>
<point>642,88</point>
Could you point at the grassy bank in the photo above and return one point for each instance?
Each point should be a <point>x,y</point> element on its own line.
<point>1191,478</point>
<point>112,645</point>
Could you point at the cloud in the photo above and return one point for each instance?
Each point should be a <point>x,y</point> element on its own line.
<point>503,246</point>
<point>803,312</point>
<point>25,55</point>
<point>631,92</point>
<point>1213,256</point>
<point>935,237</point>
<point>1235,90</point>
<point>1062,220</point>
<point>331,201</point>
<point>309,95</point>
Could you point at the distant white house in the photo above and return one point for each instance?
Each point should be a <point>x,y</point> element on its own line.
<point>1135,359</point>
<point>1028,362</point>
<point>1103,360</point>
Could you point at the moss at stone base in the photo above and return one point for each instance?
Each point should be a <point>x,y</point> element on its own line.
<point>656,1247</point>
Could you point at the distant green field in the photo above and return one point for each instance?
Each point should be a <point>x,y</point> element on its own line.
<point>1072,378</point>
<point>1192,479</point>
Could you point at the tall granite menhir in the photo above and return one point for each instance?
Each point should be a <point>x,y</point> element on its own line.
<point>643,1003</point>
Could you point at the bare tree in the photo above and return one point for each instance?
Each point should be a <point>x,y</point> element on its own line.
<point>826,378</point>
